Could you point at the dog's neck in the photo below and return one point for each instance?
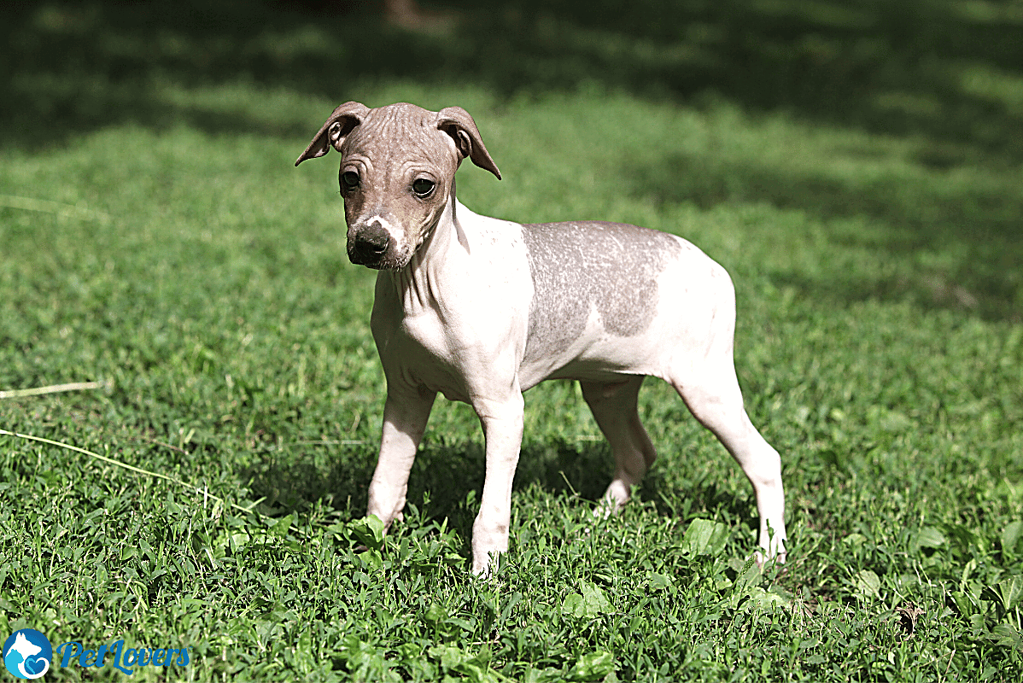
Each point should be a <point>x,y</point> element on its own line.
<point>416,285</point>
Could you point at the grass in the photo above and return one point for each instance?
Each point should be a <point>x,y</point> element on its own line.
<point>855,167</point>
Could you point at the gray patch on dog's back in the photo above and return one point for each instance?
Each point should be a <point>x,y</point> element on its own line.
<point>576,267</point>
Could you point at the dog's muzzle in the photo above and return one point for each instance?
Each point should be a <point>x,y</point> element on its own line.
<point>368,245</point>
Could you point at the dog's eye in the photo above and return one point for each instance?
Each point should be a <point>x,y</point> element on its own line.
<point>349,180</point>
<point>423,187</point>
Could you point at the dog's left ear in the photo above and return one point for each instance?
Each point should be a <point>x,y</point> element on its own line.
<point>457,123</point>
<point>334,130</point>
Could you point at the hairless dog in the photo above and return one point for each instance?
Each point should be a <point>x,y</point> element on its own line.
<point>481,309</point>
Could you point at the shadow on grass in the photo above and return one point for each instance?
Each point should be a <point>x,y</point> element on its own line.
<point>447,482</point>
<point>445,472</point>
<point>972,233</point>
<point>951,71</point>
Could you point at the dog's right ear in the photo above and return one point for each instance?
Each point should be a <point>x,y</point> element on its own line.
<point>333,132</point>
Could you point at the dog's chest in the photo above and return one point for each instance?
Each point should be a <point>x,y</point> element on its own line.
<point>415,349</point>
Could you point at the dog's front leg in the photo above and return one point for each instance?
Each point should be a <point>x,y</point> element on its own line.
<point>502,429</point>
<point>405,417</point>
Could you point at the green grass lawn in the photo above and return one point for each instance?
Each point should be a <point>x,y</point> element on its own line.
<point>856,168</point>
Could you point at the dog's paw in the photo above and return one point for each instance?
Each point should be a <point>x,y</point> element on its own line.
<point>486,567</point>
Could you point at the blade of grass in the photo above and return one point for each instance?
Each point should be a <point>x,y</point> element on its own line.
<point>48,206</point>
<point>138,470</point>
<point>54,389</point>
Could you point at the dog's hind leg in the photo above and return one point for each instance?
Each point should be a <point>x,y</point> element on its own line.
<point>711,391</point>
<point>614,407</point>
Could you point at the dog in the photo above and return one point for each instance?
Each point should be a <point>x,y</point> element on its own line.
<point>481,309</point>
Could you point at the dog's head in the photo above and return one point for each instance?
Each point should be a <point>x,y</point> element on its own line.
<point>397,173</point>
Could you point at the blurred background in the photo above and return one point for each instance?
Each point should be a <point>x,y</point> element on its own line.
<point>948,70</point>
<point>945,75</point>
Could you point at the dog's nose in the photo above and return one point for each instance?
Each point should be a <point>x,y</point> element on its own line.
<point>368,245</point>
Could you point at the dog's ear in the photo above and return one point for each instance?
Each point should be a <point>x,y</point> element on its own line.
<point>333,132</point>
<point>457,123</point>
